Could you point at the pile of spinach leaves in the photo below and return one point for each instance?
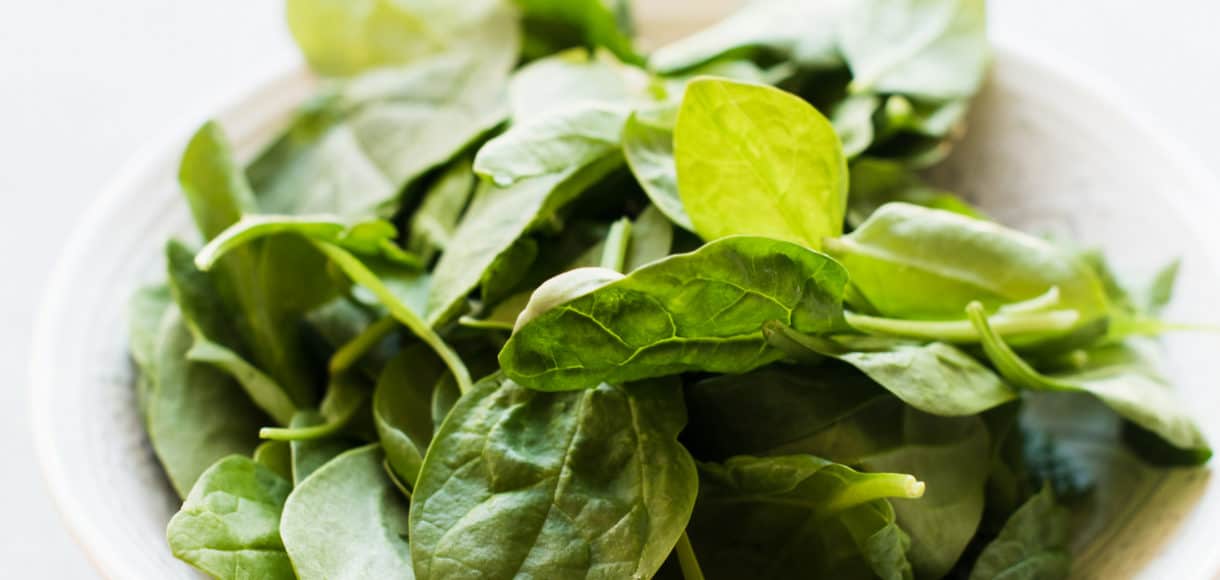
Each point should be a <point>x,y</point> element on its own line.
<point>509,298</point>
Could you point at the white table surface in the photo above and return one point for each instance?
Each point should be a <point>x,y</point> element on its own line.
<point>85,84</point>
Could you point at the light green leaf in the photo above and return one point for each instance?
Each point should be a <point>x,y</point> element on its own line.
<point>648,145</point>
<point>652,238</point>
<point>557,485</point>
<point>345,37</point>
<point>796,30</point>
<point>699,311</point>
<point>935,49</point>
<point>352,499</point>
<point>551,143</point>
<point>229,525</point>
<point>756,160</point>
<point>352,152</point>
<point>1117,375</point>
<point>935,378</point>
<point>915,263</point>
<point>189,399</point>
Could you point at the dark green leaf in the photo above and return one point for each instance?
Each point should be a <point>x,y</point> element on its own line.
<point>698,311</point>
<point>594,23</point>
<point>800,516</point>
<point>1032,545</point>
<point>555,485</point>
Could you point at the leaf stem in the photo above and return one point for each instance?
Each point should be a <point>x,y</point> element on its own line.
<point>614,255</point>
<point>962,331</point>
<point>360,274</point>
<point>687,559</point>
<point>350,353</point>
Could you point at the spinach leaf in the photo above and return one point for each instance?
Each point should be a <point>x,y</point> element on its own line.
<point>345,398</point>
<point>935,378</point>
<point>796,30</point>
<point>352,151</point>
<point>345,38</point>
<point>262,291</point>
<point>575,77</point>
<point>559,24</point>
<point>147,308</point>
<point>652,238</point>
<point>852,119</point>
<point>432,226</point>
<point>276,456</point>
<point>551,143</point>
<point>229,525</point>
<point>210,321</point>
<point>648,146</point>
<point>699,311</point>
<point>1117,375</point>
<point>556,485</point>
<point>876,182</point>
<point>800,516</point>
<point>756,160</point>
<point>402,409</point>
<point>196,413</point>
<point>935,49</point>
<point>349,498</point>
<point>919,264</point>
<point>309,455</point>
<point>1033,544</point>
<point>360,273</point>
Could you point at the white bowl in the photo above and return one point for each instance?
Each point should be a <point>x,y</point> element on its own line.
<point>1045,151</point>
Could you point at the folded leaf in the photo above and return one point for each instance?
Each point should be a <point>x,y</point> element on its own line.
<point>699,311</point>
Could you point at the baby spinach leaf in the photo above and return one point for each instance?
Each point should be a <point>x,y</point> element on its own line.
<point>346,38</point>
<point>594,23</point>
<point>852,119</point>
<point>756,160</point>
<point>1117,376</point>
<point>147,308</point>
<point>575,77</point>
<point>374,238</point>
<point>799,516</point>
<point>351,152</point>
<point>402,409</point>
<point>876,182</point>
<point>935,49</point>
<point>345,398</point>
<point>1033,544</point>
<point>935,378</point>
<point>229,525</point>
<point>800,31</point>
<point>262,291</point>
<point>757,412</point>
<point>551,143</point>
<point>276,456</point>
<point>349,498</point>
<point>648,145</point>
<point>699,311</point>
<point>556,485</point>
<point>362,275</point>
<point>952,456</point>
<point>911,262</point>
<point>652,238</point>
<point>210,321</point>
<point>196,413</point>
<point>309,455</point>
<point>432,226</point>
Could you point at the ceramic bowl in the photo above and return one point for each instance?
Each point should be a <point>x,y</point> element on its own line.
<point>1047,150</point>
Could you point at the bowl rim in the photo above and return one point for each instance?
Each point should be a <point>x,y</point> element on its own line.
<point>120,190</point>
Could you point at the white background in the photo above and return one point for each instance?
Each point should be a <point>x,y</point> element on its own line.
<point>84,84</point>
